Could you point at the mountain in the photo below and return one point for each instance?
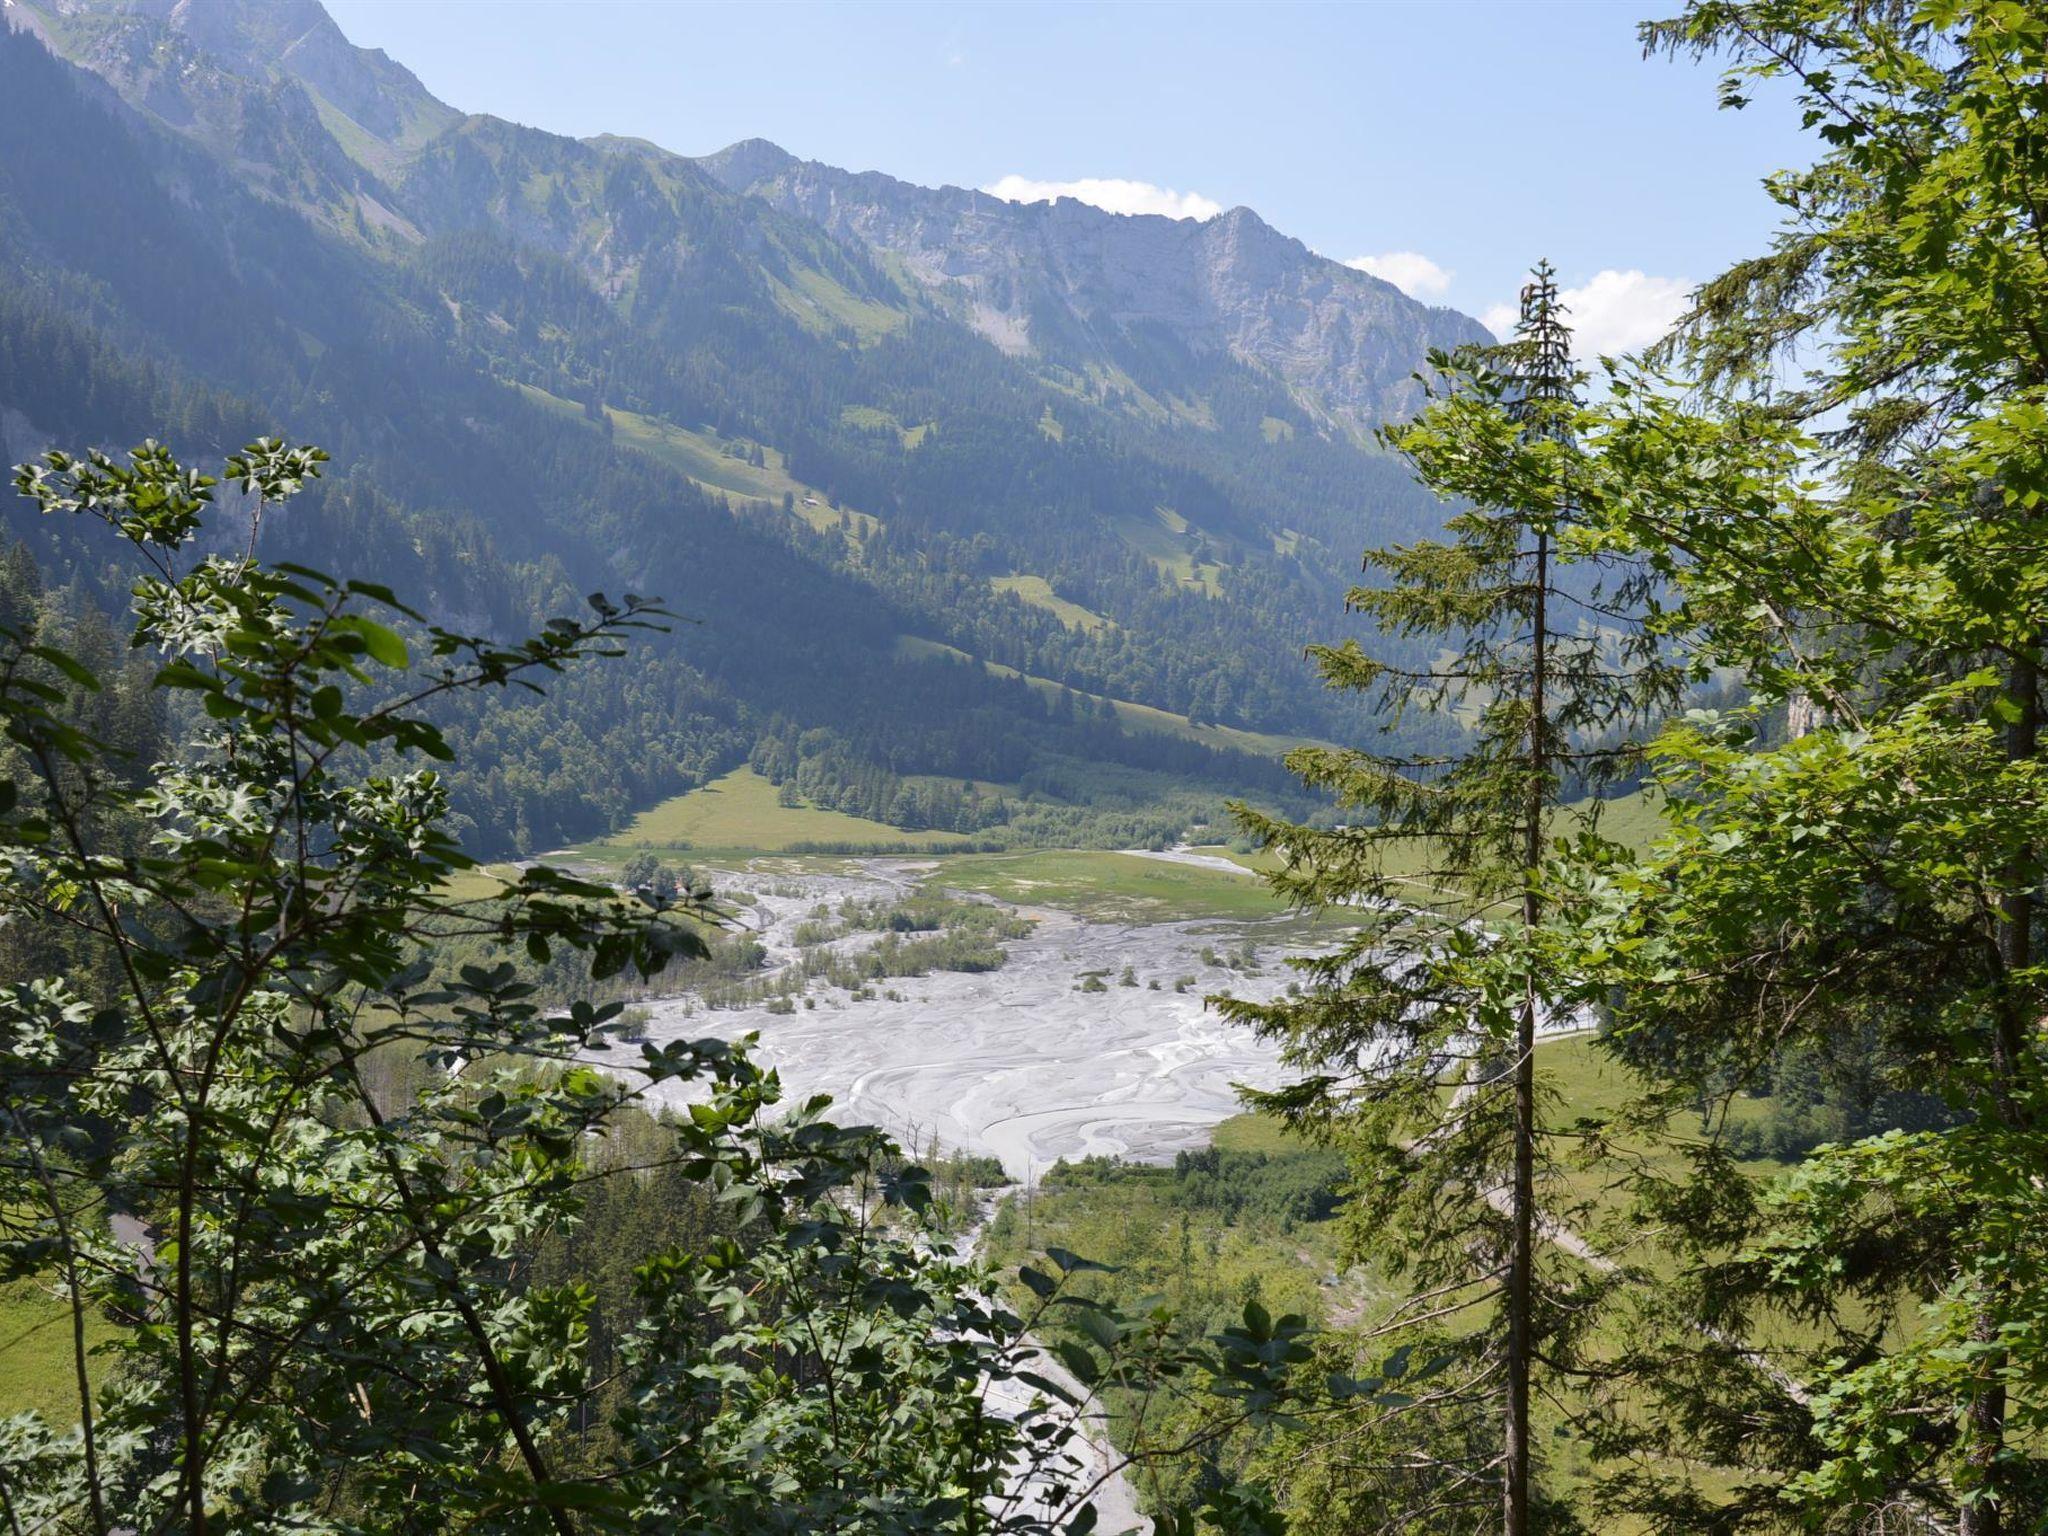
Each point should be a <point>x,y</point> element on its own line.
<point>869,437</point>
<point>1080,288</point>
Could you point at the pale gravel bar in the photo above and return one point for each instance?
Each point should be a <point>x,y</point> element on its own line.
<point>1016,1062</point>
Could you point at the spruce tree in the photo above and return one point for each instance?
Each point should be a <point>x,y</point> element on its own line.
<point>1417,1036</point>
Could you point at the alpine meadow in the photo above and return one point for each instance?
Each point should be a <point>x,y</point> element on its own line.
<point>701,843</point>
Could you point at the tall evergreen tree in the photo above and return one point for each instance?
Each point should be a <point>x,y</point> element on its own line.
<point>1418,1035</point>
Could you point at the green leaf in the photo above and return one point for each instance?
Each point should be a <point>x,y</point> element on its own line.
<point>383,644</point>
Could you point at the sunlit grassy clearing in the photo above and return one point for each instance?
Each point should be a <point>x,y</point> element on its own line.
<point>743,812</point>
<point>869,418</point>
<point>483,881</point>
<point>821,304</point>
<point>1162,539</point>
<point>702,458</point>
<point>36,1371</point>
<point>1105,886</point>
<point>1419,865</point>
<point>1038,592</point>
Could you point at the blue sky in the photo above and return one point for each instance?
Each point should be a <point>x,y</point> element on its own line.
<point>1451,142</point>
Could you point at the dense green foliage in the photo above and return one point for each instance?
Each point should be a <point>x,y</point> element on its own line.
<point>306,1147</point>
<point>1839,499</point>
<point>1864,544</point>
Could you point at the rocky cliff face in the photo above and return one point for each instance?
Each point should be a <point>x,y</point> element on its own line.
<point>272,89</point>
<point>1072,283</point>
<point>353,141</point>
<point>199,64</point>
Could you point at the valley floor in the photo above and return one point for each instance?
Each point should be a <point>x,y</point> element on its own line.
<point>1092,1039</point>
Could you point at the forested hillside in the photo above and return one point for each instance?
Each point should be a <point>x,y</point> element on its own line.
<point>546,366</point>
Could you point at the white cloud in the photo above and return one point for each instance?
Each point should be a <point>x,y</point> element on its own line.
<point>1410,271</point>
<point>1109,193</point>
<point>1612,312</point>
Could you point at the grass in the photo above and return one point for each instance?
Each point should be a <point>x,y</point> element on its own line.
<point>483,881</point>
<point>742,813</point>
<point>1631,820</point>
<point>35,1353</point>
<point>1038,592</point>
<point>1253,1132</point>
<point>701,457</point>
<point>1141,717</point>
<point>1263,862</point>
<point>1161,538</point>
<point>1109,887</point>
<point>821,304</point>
<point>1591,1084</point>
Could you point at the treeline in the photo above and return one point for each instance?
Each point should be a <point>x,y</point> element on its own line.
<point>817,768</point>
<point>541,771</point>
<point>583,758</point>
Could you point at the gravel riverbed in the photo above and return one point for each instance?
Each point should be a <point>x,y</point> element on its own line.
<point>1017,1062</point>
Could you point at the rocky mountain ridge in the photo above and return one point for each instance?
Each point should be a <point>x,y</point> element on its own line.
<point>956,489</point>
<point>353,139</point>
<point>1071,283</point>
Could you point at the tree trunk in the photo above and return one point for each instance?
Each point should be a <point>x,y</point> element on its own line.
<point>1521,1287</point>
<point>1986,1426</point>
<point>1522,1196</point>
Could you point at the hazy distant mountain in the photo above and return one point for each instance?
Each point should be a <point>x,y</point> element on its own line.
<point>1077,286</point>
<point>350,136</point>
<point>161,53</point>
<point>860,429</point>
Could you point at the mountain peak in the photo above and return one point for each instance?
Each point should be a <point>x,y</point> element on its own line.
<point>1131,303</point>
<point>749,161</point>
<point>377,108</point>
